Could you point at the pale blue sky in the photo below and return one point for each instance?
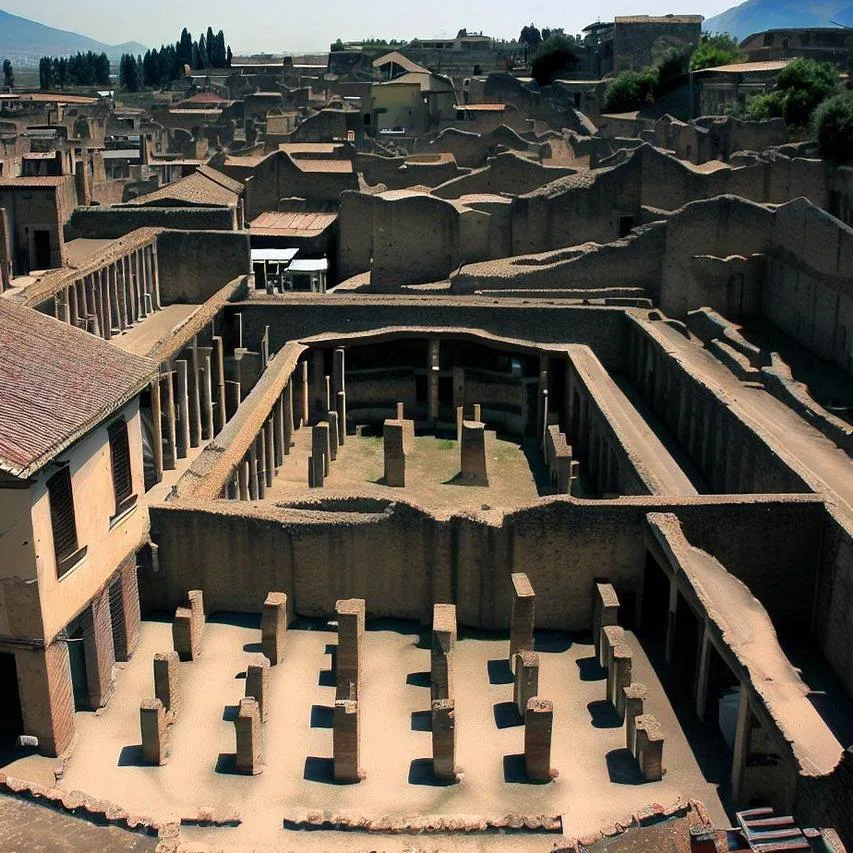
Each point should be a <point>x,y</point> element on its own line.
<point>287,25</point>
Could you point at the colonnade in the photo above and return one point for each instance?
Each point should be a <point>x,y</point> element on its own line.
<point>254,474</point>
<point>188,402</point>
<point>112,298</point>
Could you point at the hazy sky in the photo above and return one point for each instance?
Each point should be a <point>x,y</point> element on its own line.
<point>284,25</point>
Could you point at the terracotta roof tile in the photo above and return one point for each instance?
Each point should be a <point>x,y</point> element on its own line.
<point>57,382</point>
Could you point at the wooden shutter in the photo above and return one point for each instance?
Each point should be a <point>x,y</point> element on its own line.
<point>120,456</point>
<point>62,514</point>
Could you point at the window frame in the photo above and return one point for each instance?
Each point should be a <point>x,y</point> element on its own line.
<point>121,469</point>
<point>71,554</point>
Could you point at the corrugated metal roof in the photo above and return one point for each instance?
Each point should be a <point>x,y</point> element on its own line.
<point>57,382</point>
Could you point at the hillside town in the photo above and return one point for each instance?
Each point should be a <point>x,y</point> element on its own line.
<point>428,444</point>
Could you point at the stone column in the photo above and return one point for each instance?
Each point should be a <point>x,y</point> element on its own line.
<point>319,451</point>
<point>318,384</point>
<point>346,742</point>
<point>442,648</point>
<point>166,680</point>
<point>338,371</point>
<point>195,397</point>
<point>611,636</point>
<point>184,409</point>
<point>98,649</point>
<point>219,364</point>
<point>274,626</point>
<point>304,409</point>
<point>433,371</point>
<point>538,723</point>
<point>243,479</point>
<point>443,719</point>
<point>703,673</point>
<point>269,449</point>
<point>350,613</point>
<point>288,417</point>
<point>254,480</point>
<point>152,725</point>
<point>341,402</point>
<point>278,421</point>
<point>207,388</point>
<point>171,425</point>
<point>257,684</point>
<point>526,681</point>
<point>605,611</point>
<point>523,615</point>
<point>155,276</point>
<point>247,726</point>
<point>741,747</point>
<point>157,429</point>
<point>333,434</point>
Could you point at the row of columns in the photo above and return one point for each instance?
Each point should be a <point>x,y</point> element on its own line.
<point>265,456</point>
<point>113,298</point>
<point>188,402</point>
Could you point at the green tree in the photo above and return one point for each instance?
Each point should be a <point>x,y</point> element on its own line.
<point>631,90</point>
<point>833,126</point>
<point>8,75</point>
<point>803,85</point>
<point>759,107</point>
<point>337,46</point>
<point>715,49</point>
<point>555,55</point>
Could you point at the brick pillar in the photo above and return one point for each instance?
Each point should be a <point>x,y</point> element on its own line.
<point>182,633</point>
<point>257,684</point>
<point>526,683</point>
<point>334,433</point>
<point>395,454</point>
<point>538,722</point>
<point>196,599</point>
<point>350,614</point>
<point>433,373</point>
<point>619,677</point>
<point>98,649</point>
<point>611,636</point>
<point>247,725</point>
<point>605,611</point>
<point>166,680</point>
<point>288,417</point>
<point>635,698</point>
<point>346,742</point>
<point>523,615</point>
<point>473,466</point>
<point>338,371</point>
<point>128,617</point>
<point>441,655</point>
<point>318,384</point>
<point>443,714</point>
<point>47,697</point>
<point>304,409</point>
<point>274,626</point>
<point>152,725</point>
<point>648,747</point>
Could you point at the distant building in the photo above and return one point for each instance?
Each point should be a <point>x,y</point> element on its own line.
<point>634,42</point>
<point>830,44</point>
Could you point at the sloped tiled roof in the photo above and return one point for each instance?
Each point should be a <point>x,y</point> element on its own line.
<point>204,186</point>
<point>57,382</point>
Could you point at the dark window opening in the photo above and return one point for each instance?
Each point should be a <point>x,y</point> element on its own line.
<point>41,246</point>
<point>62,519</point>
<point>626,225</point>
<point>120,457</point>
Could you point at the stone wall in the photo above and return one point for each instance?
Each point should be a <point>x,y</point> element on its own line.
<point>193,265</point>
<point>402,559</point>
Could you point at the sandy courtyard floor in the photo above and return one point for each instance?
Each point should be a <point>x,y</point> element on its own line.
<point>430,468</point>
<point>598,781</point>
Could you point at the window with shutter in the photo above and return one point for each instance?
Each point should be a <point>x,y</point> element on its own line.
<point>62,516</point>
<point>120,456</point>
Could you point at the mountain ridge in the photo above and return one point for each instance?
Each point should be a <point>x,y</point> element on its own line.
<point>755,16</point>
<point>24,42</point>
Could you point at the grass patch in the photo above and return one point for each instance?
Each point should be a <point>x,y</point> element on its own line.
<point>446,444</point>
